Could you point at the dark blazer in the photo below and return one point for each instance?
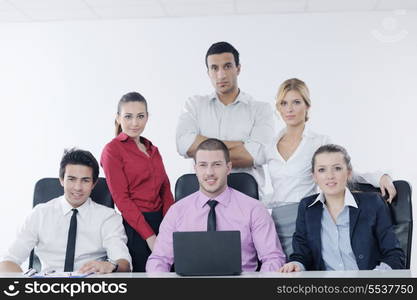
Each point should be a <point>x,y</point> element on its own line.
<point>371,234</point>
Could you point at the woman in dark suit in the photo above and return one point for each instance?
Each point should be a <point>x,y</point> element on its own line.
<point>136,178</point>
<point>338,229</point>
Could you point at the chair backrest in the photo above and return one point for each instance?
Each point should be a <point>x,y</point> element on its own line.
<point>49,188</point>
<point>243,182</point>
<point>401,214</point>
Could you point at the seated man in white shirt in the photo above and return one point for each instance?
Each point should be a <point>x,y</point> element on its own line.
<point>72,232</point>
<point>228,114</point>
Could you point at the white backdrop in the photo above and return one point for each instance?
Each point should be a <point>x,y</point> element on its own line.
<point>60,83</point>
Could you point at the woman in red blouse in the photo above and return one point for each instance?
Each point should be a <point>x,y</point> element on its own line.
<point>136,178</point>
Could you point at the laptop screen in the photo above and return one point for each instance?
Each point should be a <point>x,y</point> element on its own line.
<point>206,253</point>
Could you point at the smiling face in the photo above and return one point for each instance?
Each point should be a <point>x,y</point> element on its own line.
<point>212,169</point>
<point>223,72</point>
<point>133,117</point>
<point>293,109</point>
<point>331,173</point>
<point>77,183</point>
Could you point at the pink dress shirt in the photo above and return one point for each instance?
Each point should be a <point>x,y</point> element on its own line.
<point>235,211</point>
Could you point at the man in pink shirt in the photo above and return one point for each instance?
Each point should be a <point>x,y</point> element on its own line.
<point>233,211</point>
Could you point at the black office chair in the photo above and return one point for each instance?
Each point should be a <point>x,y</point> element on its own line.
<point>243,182</point>
<point>49,188</point>
<point>401,214</point>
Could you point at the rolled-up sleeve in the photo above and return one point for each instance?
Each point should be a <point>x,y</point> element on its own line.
<point>370,177</point>
<point>187,127</point>
<point>262,132</point>
<point>115,239</point>
<point>266,241</point>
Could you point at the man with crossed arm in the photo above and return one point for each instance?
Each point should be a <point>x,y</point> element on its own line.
<point>228,114</point>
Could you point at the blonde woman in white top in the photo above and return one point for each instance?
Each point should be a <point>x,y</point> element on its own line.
<point>289,160</point>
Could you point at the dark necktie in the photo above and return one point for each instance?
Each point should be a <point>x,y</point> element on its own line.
<point>211,220</point>
<point>72,234</point>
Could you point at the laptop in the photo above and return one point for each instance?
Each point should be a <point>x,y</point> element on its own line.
<point>206,253</point>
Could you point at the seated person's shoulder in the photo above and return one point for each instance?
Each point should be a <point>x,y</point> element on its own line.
<point>247,199</point>
<point>368,200</point>
<point>307,201</point>
<point>183,202</point>
<point>104,210</point>
<point>47,206</point>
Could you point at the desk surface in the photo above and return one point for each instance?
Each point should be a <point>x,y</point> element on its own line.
<point>306,274</point>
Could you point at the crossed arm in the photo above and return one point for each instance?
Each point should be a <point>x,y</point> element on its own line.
<point>239,156</point>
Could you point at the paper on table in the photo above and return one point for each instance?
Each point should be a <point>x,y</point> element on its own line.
<point>60,275</point>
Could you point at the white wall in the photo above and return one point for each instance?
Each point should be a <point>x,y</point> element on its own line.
<point>60,83</point>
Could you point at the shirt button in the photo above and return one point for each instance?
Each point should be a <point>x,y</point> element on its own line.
<point>360,256</point>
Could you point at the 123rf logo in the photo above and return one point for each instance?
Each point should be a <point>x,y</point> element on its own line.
<point>70,289</point>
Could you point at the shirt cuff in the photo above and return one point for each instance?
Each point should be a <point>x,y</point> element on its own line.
<point>371,178</point>
<point>300,265</point>
<point>146,231</point>
<point>184,143</point>
<point>254,148</point>
<point>153,265</point>
<point>383,266</point>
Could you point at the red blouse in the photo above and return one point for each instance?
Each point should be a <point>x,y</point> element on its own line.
<point>138,183</point>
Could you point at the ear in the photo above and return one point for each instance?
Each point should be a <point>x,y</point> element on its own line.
<point>94,185</point>
<point>117,119</point>
<point>229,167</point>
<point>238,69</point>
<point>61,180</point>
<point>314,178</point>
<point>350,174</point>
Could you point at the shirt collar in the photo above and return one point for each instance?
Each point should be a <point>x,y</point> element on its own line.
<point>223,198</point>
<point>306,132</point>
<point>349,199</point>
<point>66,207</point>
<point>241,97</point>
<point>123,137</point>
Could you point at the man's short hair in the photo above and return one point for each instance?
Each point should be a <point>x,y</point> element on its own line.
<point>223,47</point>
<point>75,156</point>
<point>213,145</point>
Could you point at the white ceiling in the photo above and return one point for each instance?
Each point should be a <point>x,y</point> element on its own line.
<point>63,10</point>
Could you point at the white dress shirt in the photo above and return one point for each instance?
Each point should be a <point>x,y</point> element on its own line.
<point>100,234</point>
<point>292,180</point>
<point>243,120</point>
